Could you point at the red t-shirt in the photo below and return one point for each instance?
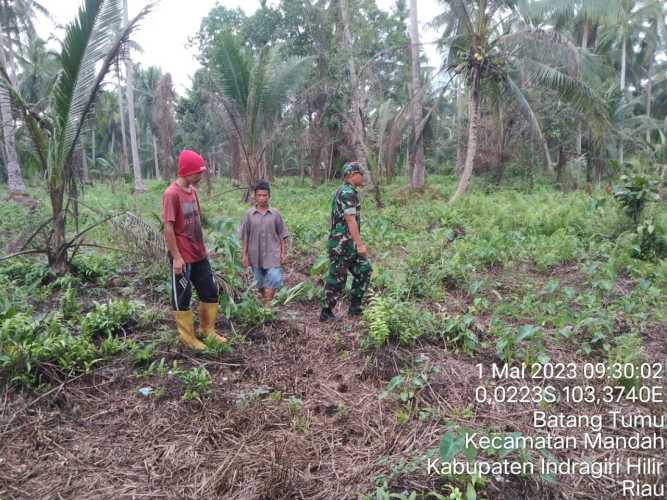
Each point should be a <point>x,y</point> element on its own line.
<point>182,208</point>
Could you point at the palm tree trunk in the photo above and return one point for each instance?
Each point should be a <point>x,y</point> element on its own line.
<point>460,153</point>
<point>623,62</point>
<point>417,180</point>
<point>302,165</point>
<point>649,96</point>
<point>500,145</point>
<point>584,44</point>
<point>112,144</point>
<point>57,251</point>
<point>623,70</point>
<point>155,162</point>
<point>315,142</point>
<point>473,125</point>
<point>124,159</point>
<point>14,177</point>
<point>139,186</point>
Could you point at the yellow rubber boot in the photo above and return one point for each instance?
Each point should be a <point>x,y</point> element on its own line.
<point>207,314</point>
<point>186,330</point>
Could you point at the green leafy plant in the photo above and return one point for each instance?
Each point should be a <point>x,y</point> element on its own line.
<point>634,191</point>
<point>141,354</point>
<point>525,344</point>
<point>626,353</point>
<point>251,312</point>
<point>69,303</point>
<point>197,383</point>
<point>306,291</point>
<point>651,245</point>
<point>377,315</point>
<point>27,344</point>
<point>217,348</point>
<point>460,332</point>
<point>109,319</point>
<point>392,319</point>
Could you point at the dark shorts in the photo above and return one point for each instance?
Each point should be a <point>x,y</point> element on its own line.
<point>198,274</point>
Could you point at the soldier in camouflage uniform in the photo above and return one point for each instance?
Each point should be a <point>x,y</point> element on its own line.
<point>347,251</point>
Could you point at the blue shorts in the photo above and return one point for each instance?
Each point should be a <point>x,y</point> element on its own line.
<point>268,278</point>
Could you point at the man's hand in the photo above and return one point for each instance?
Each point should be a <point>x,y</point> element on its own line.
<point>283,257</point>
<point>246,261</point>
<point>179,265</point>
<point>362,250</point>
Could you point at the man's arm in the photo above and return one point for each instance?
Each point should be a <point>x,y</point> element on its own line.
<point>352,226</point>
<point>246,259</point>
<point>283,250</point>
<point>244,235</point>
<point>170,239</point>
<point>281,230</point>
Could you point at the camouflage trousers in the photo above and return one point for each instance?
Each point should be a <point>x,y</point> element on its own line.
<point>334,283</point>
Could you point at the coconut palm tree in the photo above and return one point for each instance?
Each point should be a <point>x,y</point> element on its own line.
<point>488,54</point>
<point>91,45</point>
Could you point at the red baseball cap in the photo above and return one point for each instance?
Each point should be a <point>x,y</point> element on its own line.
<point>190,163</point>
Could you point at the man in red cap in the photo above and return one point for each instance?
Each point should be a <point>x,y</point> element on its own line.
<point>188,254</point>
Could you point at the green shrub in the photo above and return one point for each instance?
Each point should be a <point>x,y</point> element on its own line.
<point>634,191</point>
<point>651,245</point>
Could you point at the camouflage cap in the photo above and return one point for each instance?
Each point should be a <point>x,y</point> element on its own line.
<point>351,167</point>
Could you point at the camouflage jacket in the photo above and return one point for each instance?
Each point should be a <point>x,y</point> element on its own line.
<point>345,202</point>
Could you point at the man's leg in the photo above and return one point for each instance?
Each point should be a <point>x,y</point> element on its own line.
<point>208,293</point>
<point>260,278</point>
<point>334,284</point>
<point>181,294</point>
<point>274,281</point>
<point>361,270</point>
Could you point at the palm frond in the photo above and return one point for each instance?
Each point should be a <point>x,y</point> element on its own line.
<point>286,77</point>
<point>528,112</point>
<point>140,236</point>
<point>572,90</point>
<point>549,45</point>
<point>231,65</point>
<point>558,10</point>
<point>460,11</point>
<point>257,84</point>
<point>90,40</point>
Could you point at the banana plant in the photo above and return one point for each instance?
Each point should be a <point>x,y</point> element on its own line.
<point>92,44</point>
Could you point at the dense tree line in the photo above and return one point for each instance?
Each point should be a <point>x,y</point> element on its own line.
<point>573,90</point>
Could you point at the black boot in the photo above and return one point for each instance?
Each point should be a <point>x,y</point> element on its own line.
<point>355,308</point>
<point>327,315</point>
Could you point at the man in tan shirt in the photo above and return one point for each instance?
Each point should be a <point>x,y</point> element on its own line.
<point>264,235</point>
